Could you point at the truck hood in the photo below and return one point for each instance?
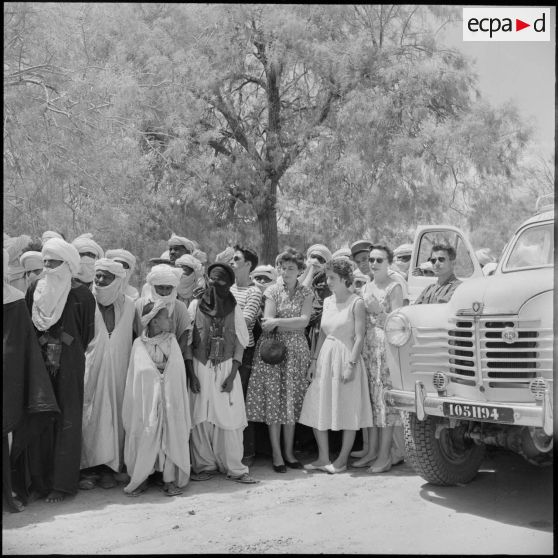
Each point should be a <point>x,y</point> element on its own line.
<point>504,293</point>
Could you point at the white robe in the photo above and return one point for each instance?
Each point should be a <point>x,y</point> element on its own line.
<point>224,410</point>
<point>156,415</point>
<point>106,366</point>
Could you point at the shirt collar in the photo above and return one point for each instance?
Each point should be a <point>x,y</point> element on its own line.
<point>451,278</point>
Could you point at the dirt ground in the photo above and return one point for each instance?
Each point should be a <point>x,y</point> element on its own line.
<point>507,509</point>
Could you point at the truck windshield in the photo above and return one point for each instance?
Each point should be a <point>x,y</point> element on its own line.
<point>534,247</point>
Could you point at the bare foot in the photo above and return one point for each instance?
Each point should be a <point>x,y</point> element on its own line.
<point>55,496</point>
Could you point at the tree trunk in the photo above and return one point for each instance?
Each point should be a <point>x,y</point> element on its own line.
<point>267,223</point>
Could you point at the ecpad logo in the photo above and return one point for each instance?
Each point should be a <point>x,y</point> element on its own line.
<point>506,24</point>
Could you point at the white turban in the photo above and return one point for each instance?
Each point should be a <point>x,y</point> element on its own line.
<point>225,256</point>
<point>58,249</point>
<point>163,274</point>
<point>341,253</point>
<point>108,294</point>
<point>199,255</point>
<point>121,254</point>
<point>31,260</point>
<point>265,270</point>
<point>15,246</point>
<point>47,235</point>
<point>319,249</point>
<point>189,261</point>
<point>11,294</point>
<point>85,243</point>
<point>165,255</point>
<point>106,264</point>
<point>183,241</point>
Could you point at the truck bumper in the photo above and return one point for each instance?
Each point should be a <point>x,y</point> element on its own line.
<point>423,404</point>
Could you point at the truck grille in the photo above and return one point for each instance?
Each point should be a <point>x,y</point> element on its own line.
<point>502,364</point>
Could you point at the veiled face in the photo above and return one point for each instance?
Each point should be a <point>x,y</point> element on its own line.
<point>104,278</point>
<point>51,264</point>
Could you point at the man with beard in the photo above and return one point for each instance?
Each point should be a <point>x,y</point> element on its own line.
<point>63,315</point>
<point>179,246</point>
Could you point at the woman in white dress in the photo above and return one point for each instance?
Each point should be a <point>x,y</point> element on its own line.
<point>337,398</point>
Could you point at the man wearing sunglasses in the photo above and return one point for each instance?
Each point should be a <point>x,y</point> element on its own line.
<point>442,259</point>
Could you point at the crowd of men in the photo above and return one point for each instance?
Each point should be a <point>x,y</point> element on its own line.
<point>86,402</point>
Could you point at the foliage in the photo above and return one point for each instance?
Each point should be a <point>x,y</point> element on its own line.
<point>263,124</point>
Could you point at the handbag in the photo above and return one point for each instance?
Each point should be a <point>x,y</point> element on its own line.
<point>272,350</point>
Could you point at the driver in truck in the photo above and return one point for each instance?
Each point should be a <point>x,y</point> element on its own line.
<point>442,258</point>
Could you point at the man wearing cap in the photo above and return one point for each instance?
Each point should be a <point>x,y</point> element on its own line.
<point>89,251</point>
<point>63,315</point>
<point>178,246</point>
<point>249,297</point>
<point>128,261</point>
<point>106,364</point>
<point>402,259</point>
<point>442,259</point>
<point>32,263</point>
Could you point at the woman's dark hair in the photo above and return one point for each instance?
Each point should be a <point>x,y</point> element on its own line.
<point>388,251</point>
<point>341,267</point>
<point>291,255</point>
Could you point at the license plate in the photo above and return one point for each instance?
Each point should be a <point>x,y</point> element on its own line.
<point>478,412</point>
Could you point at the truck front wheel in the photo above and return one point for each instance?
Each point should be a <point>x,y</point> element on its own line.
<point>447,460</point>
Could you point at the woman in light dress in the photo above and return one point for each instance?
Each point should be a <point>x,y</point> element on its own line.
<point>381,296</point>
<point>338,398</point>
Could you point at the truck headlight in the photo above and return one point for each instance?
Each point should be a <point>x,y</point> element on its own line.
<point>397,329</point>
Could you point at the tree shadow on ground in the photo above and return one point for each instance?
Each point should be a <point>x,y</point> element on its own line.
<point>507,489</point>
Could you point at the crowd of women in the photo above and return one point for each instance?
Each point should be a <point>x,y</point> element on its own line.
<point>105,384</point>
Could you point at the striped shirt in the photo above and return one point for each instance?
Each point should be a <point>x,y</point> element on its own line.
<point>439,293</point>
<point>249,299</point>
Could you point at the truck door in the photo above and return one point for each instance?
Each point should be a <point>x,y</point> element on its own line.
<point>420,274</point>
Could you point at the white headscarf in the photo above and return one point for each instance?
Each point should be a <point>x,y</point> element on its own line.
<point>108,294</point>
<point>225,256</point>
<point>52,290</point>
<point>85,243</point>
<point>188,283</point>
<point>319,249</point>
<point>47,235</point>
<point>267,271</point>
<point>31,260</point>
<point>121,255</point>
<point>11,294</point>
<point>163,274</point>
<point>183,241</point>
<point>15,247</point>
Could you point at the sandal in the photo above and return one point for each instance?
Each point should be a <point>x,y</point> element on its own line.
<point>139,490</point>
<point>87,484</point>
<point>170,489</point>
<point>244,479</point>
<point>107,481</point>
<point>202,475</point>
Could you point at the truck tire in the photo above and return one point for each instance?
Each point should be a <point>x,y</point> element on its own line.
<point>449,460</point>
